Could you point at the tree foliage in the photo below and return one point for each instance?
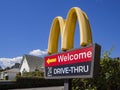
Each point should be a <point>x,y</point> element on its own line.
<point>38,74</point>
<point>1,69</point>
<point>107,79</point>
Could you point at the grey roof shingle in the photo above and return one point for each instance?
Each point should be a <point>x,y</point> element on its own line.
<point>33,61</point>
<point>14,70</point>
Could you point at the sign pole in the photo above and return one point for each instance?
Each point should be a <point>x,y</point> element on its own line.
<point>68,84</point>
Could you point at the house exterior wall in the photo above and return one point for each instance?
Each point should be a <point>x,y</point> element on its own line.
<point>11,75</point>
<point>24,66</point>
<point>2,75</point>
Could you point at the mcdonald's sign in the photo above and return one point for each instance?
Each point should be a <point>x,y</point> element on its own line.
<point>66,28</point>
<point>72,63</point>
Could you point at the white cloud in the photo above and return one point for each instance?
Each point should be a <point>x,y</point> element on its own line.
<point>38,52</point>
<point>4,62</point>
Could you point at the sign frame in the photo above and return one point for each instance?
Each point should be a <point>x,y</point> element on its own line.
<point>95,62</point>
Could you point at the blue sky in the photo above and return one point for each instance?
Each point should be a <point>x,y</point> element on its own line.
<point>25,25</point>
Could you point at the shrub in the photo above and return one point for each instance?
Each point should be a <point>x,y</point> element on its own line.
<point>108,78</point>
<point>38,74</point>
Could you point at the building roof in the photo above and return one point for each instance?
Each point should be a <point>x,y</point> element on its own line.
<point>14,70</point>
<point>33,61</point>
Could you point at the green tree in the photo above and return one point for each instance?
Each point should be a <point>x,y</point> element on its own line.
<point>1,69</point>
<point>108,78</point>
<point>36,73</point>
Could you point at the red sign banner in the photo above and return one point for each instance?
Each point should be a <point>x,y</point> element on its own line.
<point>69,57</point>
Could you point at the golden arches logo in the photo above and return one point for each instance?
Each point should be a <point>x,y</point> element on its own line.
<point>67,28</point>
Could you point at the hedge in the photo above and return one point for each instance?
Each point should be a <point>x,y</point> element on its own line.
<point>23,82</point>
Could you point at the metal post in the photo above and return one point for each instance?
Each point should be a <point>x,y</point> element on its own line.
<point>68,84</point>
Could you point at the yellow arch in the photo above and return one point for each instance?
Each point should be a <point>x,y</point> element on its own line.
<point>57,27</point>
<point>67,29</point>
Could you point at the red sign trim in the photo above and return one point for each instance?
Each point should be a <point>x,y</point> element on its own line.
<point>70,57</point>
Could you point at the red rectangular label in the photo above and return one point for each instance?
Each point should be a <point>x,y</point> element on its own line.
<point>70,57</point>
